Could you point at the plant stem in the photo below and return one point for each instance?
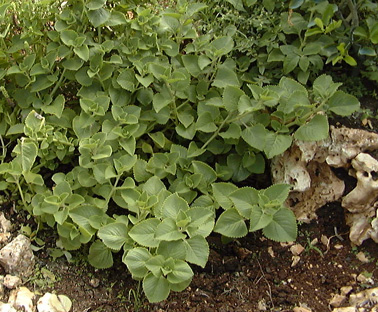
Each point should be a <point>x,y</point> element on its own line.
<point>215,134</point>
<point>113,190</point>
<point>4,149</point>
<point>21,193</point>
<point>58,83</point>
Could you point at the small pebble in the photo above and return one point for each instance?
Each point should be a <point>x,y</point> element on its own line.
<point>94,282</point>
<point>362,257</point>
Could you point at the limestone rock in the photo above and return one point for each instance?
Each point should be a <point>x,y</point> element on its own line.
<point>337,300</point>
<point>5,224</point>
<point>22,299</point>
<point>347,143</point>
<point>314,183</point>
<point>17,257</point>
<point>6,307</point>
<point>368,297</point>
<point>53,303</point>
<point>11,281</point>
<point>360,202</point>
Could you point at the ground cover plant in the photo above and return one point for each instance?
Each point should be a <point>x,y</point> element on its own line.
<point>131,128</point>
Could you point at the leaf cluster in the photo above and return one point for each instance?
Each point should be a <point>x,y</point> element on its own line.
<point>125,128</point>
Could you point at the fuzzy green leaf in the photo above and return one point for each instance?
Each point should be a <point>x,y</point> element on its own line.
<point>113,235</point>
<point>197,250</point>
<point>231,224</point>
<point>316,129</point>
<point>156,288</point>
<point>144,232</point>
<point>221,192</point>
<point>283,227</point>
<point>100,256</point>
<point>343,104</point>
<point>135,260</point>
<point>244,199</point>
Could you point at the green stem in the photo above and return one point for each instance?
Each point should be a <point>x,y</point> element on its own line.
<point>173,102</point>
<point>215,134</point>
<point>99,35</point>
<point>113,189</point>
<point>4,149</point>
<point>58,83</point>
<point>21,193</point>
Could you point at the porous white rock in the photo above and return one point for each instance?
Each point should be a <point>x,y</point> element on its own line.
<point>361,201</point>
<point>5,224</point>
<point>6,307</point>
<point>22,299</point>
<point>17,257</point>
<point>314,183</point>
<point>347,143</point>
<point>364,195</point>
<point>12,281</point>
<point>53,303</point>
<point>365,297</point>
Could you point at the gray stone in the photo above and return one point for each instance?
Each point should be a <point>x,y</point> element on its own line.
<point>17,257</point>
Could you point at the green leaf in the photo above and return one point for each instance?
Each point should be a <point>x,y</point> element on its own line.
<point>82,52</point>
<point>231,96</point>
<point>56,107</point>
<point>205,123</point>
<point>316,129</point>
<point>161,100</point>
<point>135,261</point>
<point>95,4</point>
<point>350,60</point>
<point>277,192</point>
<point>100,256</point>
<point>283,227</point>
<point>174,249</point>
<point>238,4</point>
<point>244,199</point>
<point>156,288</point>
<point>144,232</point>
<point>255,136</point>
<point>181,272</point>
<point>343,104</point>
<point>191,64</point>
<point>226,77</point>
<point>98,17</point>
<point>197,250</point>
<point>231,224</point>
<point>168,231</point>
<point>276,144</point>
<point>172,206</point>
<point>222,45</point>
<point>258,219</point>
<point>295,4</point>
<point>325,87</point>
<point>221,192</point>
<point>113,235</point>
<point>68,37</point>
<point>127,80</point>
<point>290,63</point>
<point>28,151</point>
